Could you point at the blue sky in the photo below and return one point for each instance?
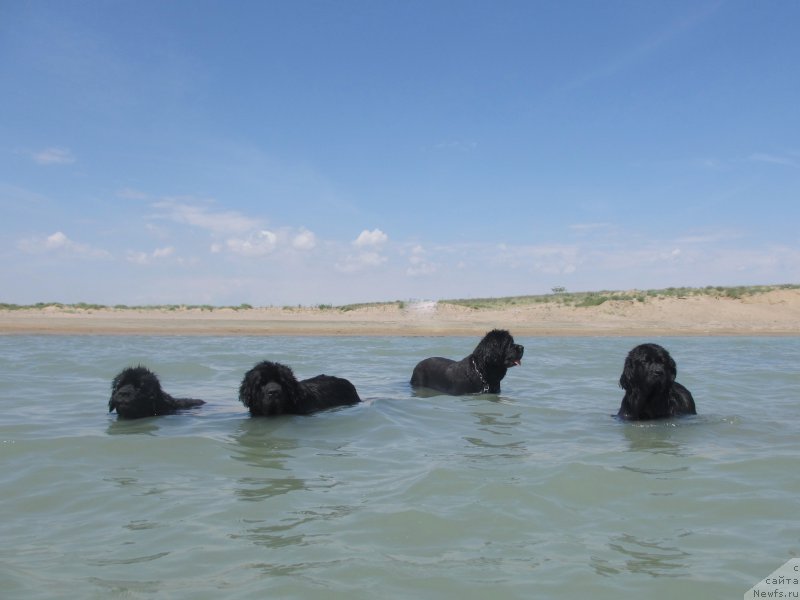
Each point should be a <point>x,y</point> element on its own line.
<point>273,153</point>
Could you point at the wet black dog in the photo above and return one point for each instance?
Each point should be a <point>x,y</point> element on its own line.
<point>136,392</point>
<point>651,391</point>
<point>480,372</point>
<point>271,388</point>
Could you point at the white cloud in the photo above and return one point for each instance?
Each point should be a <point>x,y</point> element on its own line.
<point>263,242</point>
<point>552,259</point>
<point>256,244</point>
<point>163,252</point>
<point>786,161</point>
<point>59,243</point>
<point>709,237</point>
<point>57,240</point>
<point>360,262</point>
<point>53,156</point>
<point>421,268</point>
<point>304,240</point>
<point>157,231</point>
<point>369,257</point>
<point>588,227</point>
<point>222,222</point>
<point>143,258</point>
<point>236,233</point>
<point>370,238</point>
<point>138,258</point>
<point>418,263</point>
<point>634,55</point>
<point>673,255</point>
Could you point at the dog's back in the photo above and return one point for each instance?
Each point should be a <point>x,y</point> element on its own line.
<point>681,401</point>
<point>327,391</point>
<point>444,375</point>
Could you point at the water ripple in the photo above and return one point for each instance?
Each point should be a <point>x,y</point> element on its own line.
<point>536,492</point>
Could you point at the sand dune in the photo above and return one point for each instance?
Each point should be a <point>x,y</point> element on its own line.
<point>775,312</point>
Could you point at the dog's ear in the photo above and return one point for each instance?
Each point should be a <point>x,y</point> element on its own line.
<point>249,388</point>
<point>288,382</point>
<point>628,373</point>
<point>492,345</point>
<point>673,368</point>
<point>116,381</point>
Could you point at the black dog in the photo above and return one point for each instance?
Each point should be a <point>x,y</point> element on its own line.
<point>136,392</point>
<point>480,372</point>
<point>271,389</point>
<point>651,391</point>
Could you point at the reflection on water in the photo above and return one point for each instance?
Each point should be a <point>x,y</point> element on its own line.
<point>498,423</point>
<point>295,528</point>
<point>148,425</point>
<point>276,536</point>
<point>126,587</point>
<point>102,562</point>
<point>257,445</point>
<point>656,437</point>
<point>663,472</point>
<point>495,422</point>
<point>253,488</point>
<point>658,558</point>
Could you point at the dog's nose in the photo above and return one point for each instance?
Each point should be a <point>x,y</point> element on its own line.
<point>122,396</point>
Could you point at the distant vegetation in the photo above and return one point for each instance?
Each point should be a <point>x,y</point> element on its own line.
<point>585,299</point>
<point>348,307</point>
<point>85,306</point>
<point>559,296</point>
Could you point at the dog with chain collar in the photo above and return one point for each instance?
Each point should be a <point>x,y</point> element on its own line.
<point>478,373</point>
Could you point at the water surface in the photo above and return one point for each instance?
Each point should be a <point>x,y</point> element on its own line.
<point>537,492</point>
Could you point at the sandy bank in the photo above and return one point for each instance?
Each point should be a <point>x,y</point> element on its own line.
<point>772,313</point>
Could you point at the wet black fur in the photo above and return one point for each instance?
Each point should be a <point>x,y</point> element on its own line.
<point>271,388</point>
<point>651,391</point>
<point>136,392</point>
<point>480,372</point>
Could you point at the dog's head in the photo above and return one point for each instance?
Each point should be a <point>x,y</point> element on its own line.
<point>497,348</point>
<point>649,370</point>
<point>269,388</point>
<point>135,393</point>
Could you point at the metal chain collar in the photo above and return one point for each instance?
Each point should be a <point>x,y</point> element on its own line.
<point>483,381</point>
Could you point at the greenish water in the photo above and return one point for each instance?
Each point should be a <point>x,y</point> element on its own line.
<point>537,492</point>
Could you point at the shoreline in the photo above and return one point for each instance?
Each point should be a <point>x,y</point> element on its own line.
<point>774,313</point>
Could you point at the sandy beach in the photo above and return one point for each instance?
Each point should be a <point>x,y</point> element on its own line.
<point>775,312</point>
